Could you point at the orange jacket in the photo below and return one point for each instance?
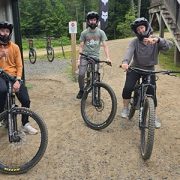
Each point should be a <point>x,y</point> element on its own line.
<point>12,64</point>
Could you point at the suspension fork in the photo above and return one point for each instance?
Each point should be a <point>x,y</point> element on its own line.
<point>96,93</point>
<point>9,112</point>
<point>12,123</point>
<point>144,89</point>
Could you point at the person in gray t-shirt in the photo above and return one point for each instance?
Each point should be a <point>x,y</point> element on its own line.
<point>142,52</point>
<point>90,43</point>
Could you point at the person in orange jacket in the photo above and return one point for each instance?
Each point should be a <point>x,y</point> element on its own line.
<point>11,63</point>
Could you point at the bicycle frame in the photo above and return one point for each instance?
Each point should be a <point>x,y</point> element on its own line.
<point>93,76</point>
<point>12,127</point>
<point>142,89</point>
<point>10,104</point>
<point>48,42</point>
<point>31,45</point>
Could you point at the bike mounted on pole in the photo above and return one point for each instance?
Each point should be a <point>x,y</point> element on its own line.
<point>32,51</point>
<point>49,48</point>
<point>144,103</point>
<point>19,151</point>
<point>99,103</point>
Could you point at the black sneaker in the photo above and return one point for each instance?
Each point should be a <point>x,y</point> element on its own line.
<point>80,94</point>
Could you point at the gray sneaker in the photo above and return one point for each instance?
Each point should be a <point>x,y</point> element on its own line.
<point>157,123</point>
<point>125,113</point>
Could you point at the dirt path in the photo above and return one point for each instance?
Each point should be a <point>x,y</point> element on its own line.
<point>76,152</point>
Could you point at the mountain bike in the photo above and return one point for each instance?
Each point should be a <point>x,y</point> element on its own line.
<point>32,52</point>
<point>99,103</point>
<point>49,49</point>
<point>144,103</point>
<point>19,151</point>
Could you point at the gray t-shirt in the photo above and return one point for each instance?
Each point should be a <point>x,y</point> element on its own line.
<point>92,41</point>
<point>145,56</point>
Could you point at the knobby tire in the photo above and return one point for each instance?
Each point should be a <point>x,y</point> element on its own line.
<point>32,56</point>
<point>13,161</point>
<point>147,128</point>
<point>107,121</point>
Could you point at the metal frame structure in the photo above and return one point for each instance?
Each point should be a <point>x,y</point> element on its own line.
<point>167,13</point>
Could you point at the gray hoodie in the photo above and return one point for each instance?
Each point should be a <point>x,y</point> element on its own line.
<point>145,56</point>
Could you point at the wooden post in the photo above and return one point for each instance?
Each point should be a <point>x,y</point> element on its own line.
<point>139,8</point>
<point>73,53</point>
<point>176,57</point>
<point>161,27</point>
<point>73,31</point>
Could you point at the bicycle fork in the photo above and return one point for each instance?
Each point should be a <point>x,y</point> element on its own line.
<point>12,121</point>
<point>96,93</point>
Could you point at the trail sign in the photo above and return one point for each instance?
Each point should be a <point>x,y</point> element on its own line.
<point>72,27</point>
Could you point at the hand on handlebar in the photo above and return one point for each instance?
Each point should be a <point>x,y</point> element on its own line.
<point>109,62</point>
<point>124,66</point>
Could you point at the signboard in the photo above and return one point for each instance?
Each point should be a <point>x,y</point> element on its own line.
<point>72,27</point>
<point>103,14</point>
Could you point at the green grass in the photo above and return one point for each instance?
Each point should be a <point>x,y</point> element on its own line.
<point>166,60</point>
<point>41,42</point>
<point>56,56</point>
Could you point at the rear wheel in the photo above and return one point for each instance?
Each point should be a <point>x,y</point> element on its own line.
<point>50,54</point>
<point>147,128</point>
<point>20,156</point>
<point>32,55</point>
<point>100,115</point>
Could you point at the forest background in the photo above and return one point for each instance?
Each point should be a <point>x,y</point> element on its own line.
<point>40,18</point>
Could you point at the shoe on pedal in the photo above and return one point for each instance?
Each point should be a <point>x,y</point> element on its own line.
<point>80,94</point>
<point>125,113</point>
<point>27,128</point>
<point>157,123</point>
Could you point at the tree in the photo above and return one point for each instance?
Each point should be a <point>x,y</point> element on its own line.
<point>51,17</point>
<point>124,28</point>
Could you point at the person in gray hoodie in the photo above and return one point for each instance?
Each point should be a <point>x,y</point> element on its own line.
<point>142,52</point>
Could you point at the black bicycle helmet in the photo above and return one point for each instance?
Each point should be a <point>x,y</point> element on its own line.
<point>92,15</point>
<point>139,22</point>
<point>5,39</point>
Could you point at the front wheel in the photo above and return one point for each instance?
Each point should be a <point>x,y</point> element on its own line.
<point>23,154</point>
<point>32,55</point>
<point>147,128</point>
<point>50,54</point>
<point>99,116</point>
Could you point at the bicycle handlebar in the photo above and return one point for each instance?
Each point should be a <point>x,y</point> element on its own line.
<point>143,71</point>
<point>89,58</point>
<point>7,76</point>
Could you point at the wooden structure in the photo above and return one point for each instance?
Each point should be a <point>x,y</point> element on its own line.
<point>167,13</point>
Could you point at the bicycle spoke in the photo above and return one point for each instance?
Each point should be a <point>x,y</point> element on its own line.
<point>99,114</point>
<point>25,153</point>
